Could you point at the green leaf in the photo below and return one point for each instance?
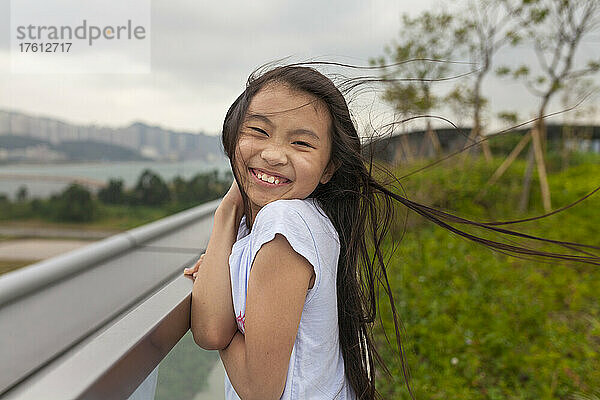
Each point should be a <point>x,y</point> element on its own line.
<point>594,65</point>
<point>502,71</point>
<point>522,71</point>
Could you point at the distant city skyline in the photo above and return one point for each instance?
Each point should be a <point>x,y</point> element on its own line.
<point>202,55</point>
<point>144,140</point>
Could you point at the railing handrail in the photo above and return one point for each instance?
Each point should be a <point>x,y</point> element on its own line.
<point>26,280</point>
<point>88,350</point>
<point>111,365</point>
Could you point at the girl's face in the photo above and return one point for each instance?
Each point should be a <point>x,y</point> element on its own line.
<point>285,139</point>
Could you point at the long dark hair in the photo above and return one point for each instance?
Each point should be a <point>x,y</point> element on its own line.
<point>361,208</point>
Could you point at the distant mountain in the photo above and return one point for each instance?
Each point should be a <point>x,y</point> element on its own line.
<point>23,148</point>
<point>95,151</point>
<point>11,142</point>
<point>91,142</point>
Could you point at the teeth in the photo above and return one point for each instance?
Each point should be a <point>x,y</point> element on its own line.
<point>266,178</point>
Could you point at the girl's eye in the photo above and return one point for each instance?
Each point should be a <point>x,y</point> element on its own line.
<point>304,144</point>
<point>258,130</point>
<point>262,131</point>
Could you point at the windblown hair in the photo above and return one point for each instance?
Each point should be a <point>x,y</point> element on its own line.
<point>362,209</point>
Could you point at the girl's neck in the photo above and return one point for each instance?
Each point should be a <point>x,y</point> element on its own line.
<point>253,212</point>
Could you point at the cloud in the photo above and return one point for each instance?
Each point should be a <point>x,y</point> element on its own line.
<point>202,53</point>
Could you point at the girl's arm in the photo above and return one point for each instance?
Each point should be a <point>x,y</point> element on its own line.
<point>212,317</point>
<point>257,362</point>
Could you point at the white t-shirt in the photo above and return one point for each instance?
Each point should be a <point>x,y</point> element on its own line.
<point>316,368</point>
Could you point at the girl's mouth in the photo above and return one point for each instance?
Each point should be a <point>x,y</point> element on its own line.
<point>282,181</point>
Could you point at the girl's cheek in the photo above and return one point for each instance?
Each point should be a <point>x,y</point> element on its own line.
<point>246,144</point>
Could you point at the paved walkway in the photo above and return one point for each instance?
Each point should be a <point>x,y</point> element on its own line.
<point>37,249</point>
<point>18,231</point>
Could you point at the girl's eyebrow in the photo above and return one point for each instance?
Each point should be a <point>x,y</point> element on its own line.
<point>293,131</point>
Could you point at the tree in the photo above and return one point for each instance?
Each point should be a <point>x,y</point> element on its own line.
<point>179,189</point>
<point>201,187</point>
<point>557,31</point>
<point>113,192</point>
<point>570,95</point>
<point>22,194</point>
<point>419,60</point>
<point>75,204</point>
<point>483,27</point>
<point>151,190</point>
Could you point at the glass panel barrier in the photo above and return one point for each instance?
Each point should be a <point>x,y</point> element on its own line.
<point>189,372</point>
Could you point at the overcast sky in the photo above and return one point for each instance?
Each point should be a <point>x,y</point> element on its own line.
<point>202,53</point>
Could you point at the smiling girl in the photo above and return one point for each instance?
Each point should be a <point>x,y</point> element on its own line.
<point>286,290</point>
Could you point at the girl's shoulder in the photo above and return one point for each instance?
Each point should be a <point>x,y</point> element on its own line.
<point>293,211</point>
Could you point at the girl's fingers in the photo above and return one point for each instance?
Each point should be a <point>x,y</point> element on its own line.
<point>188,271</point>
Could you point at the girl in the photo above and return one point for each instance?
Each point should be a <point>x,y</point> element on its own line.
<point>286,288</point>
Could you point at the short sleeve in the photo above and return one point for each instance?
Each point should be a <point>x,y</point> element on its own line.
<point>286,217</point>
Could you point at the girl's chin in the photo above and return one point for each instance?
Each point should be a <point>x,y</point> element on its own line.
<point>258,203</point>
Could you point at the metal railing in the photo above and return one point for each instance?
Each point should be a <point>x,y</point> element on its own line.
<point>95,322</point>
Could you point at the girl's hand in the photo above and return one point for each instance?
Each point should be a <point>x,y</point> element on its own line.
<point>233,199</point>
<point>194,270</point>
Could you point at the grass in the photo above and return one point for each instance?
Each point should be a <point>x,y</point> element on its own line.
<point>11,265</point>
<point>110,217</point>
<point>126,217</point>
<point>480,324</point>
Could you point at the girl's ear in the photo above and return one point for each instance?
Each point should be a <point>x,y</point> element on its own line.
<point>332,166</point>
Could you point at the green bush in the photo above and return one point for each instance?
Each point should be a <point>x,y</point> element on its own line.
<point>480,324</point>
<point>74,204</point>
<point>151,190</point>
<point>200,188</point>
<point>117,207</point>
<point>113,193</point>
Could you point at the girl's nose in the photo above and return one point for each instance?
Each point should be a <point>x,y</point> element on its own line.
<point>274,155</point>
